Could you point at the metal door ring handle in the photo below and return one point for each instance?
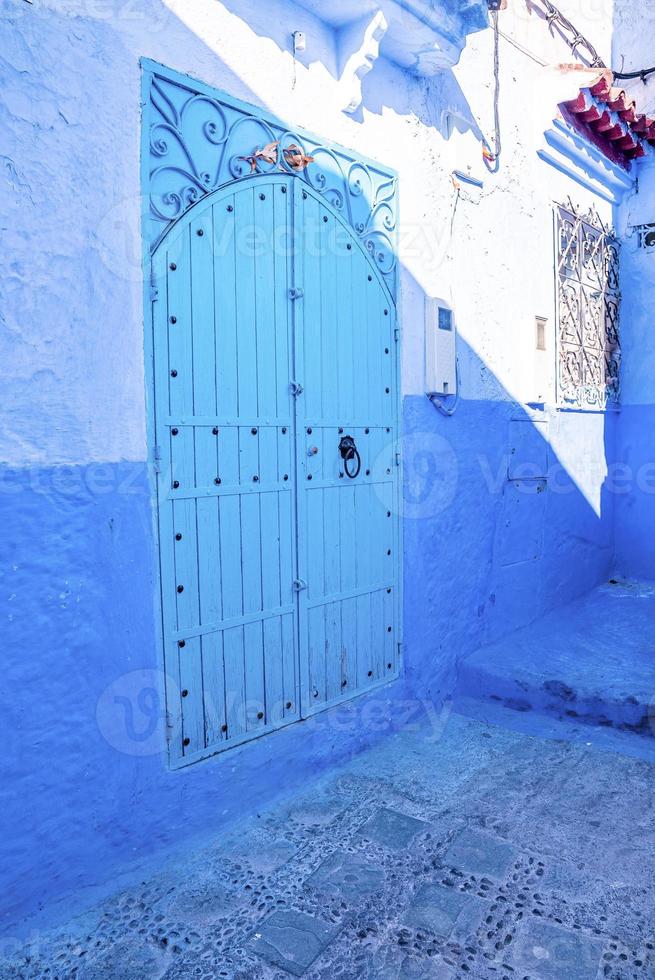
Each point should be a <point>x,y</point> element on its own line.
<point>349,452</point>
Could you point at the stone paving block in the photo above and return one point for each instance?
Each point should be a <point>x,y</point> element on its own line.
<point>129,961</point>
<point>261,854</point>
<point>549,952</point>
<point>292,940</point>
<point>318,813</point>
<point>445,912</point>
<point>392,829</point>
<point>561,876</point>
<point>201,900</point>
<point>271,856</point>
<point>348,875</point>
<point>480,854</point>
<point>396,965</point>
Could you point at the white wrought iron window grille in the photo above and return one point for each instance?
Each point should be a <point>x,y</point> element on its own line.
<point>588,301</point>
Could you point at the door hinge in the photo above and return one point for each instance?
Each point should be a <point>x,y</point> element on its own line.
<point>154,294</point>
<point>296,388</point>
<point>396,333</point>
<point>397,459</point>
<point>156,457</point>
<point>299,584</point>
<point>296,292</point>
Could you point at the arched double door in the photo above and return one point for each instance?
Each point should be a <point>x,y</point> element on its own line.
<point>274,338</point>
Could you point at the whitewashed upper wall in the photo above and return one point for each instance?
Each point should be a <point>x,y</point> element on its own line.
<point>72,304</point>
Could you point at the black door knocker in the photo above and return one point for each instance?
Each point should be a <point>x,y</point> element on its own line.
<point>348,451</point>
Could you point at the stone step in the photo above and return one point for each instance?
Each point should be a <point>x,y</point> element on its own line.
<point>592,662</point>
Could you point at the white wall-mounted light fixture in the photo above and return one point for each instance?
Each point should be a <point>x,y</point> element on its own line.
<point>299,41</point>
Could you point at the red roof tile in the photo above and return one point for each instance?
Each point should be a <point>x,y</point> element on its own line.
<point>607,117</point>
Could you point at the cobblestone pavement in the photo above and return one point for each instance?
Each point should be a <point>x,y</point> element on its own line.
<point>480,853</point>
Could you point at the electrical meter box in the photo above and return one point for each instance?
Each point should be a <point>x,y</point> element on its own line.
<point>440,349</point>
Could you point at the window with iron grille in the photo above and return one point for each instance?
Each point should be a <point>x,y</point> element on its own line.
<point>588,347</point>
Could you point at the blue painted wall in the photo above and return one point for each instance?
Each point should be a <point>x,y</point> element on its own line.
<point>635,498</point>
<point>495,554</point>
<point>86,793</point>
<point>635,501</point>
<point>85,786</point>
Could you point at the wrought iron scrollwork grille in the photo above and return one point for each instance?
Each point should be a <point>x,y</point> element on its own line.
<point>199,139</point>
<point>588,300</point>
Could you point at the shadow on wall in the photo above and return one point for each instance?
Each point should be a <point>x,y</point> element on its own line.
<point>497,530</point>
<point>350,53</point>
<point>635,510</point>
<point>508,513</point>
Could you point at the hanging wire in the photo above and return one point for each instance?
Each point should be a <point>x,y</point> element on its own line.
<point>491,154</point>
<point>523,50</point>
<point>440,404</point>
<point>642,74</point>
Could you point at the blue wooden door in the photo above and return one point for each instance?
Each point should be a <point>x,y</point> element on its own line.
<point>271,333</point>
<point>348,547</point>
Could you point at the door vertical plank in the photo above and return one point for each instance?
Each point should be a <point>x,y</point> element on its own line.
<point>363,640</point>
<point>182,453</point>
<point>193,711</point>
<point>390,643</point>
<point>282,274</point>
<point>251,530</point>
<point>348,645</point>
<point>274,670</point>
<point>265,307</point>
<point>235,681</point>
<point>167,544</point>
<point>360,339</point>
<point>317,676</point>
<point>345,331</point>
<point>253,643</point>
<point>378,631</point>
<point>213,687</point>
<point>332,650</point>
<point>311,303</point>
<point>329,352</point>
<point>290,678</point>
<point>203,308</point>
<point>225,308</point>
<point>244,219</point>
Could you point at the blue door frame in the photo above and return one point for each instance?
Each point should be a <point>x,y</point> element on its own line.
<point>279,576</point>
